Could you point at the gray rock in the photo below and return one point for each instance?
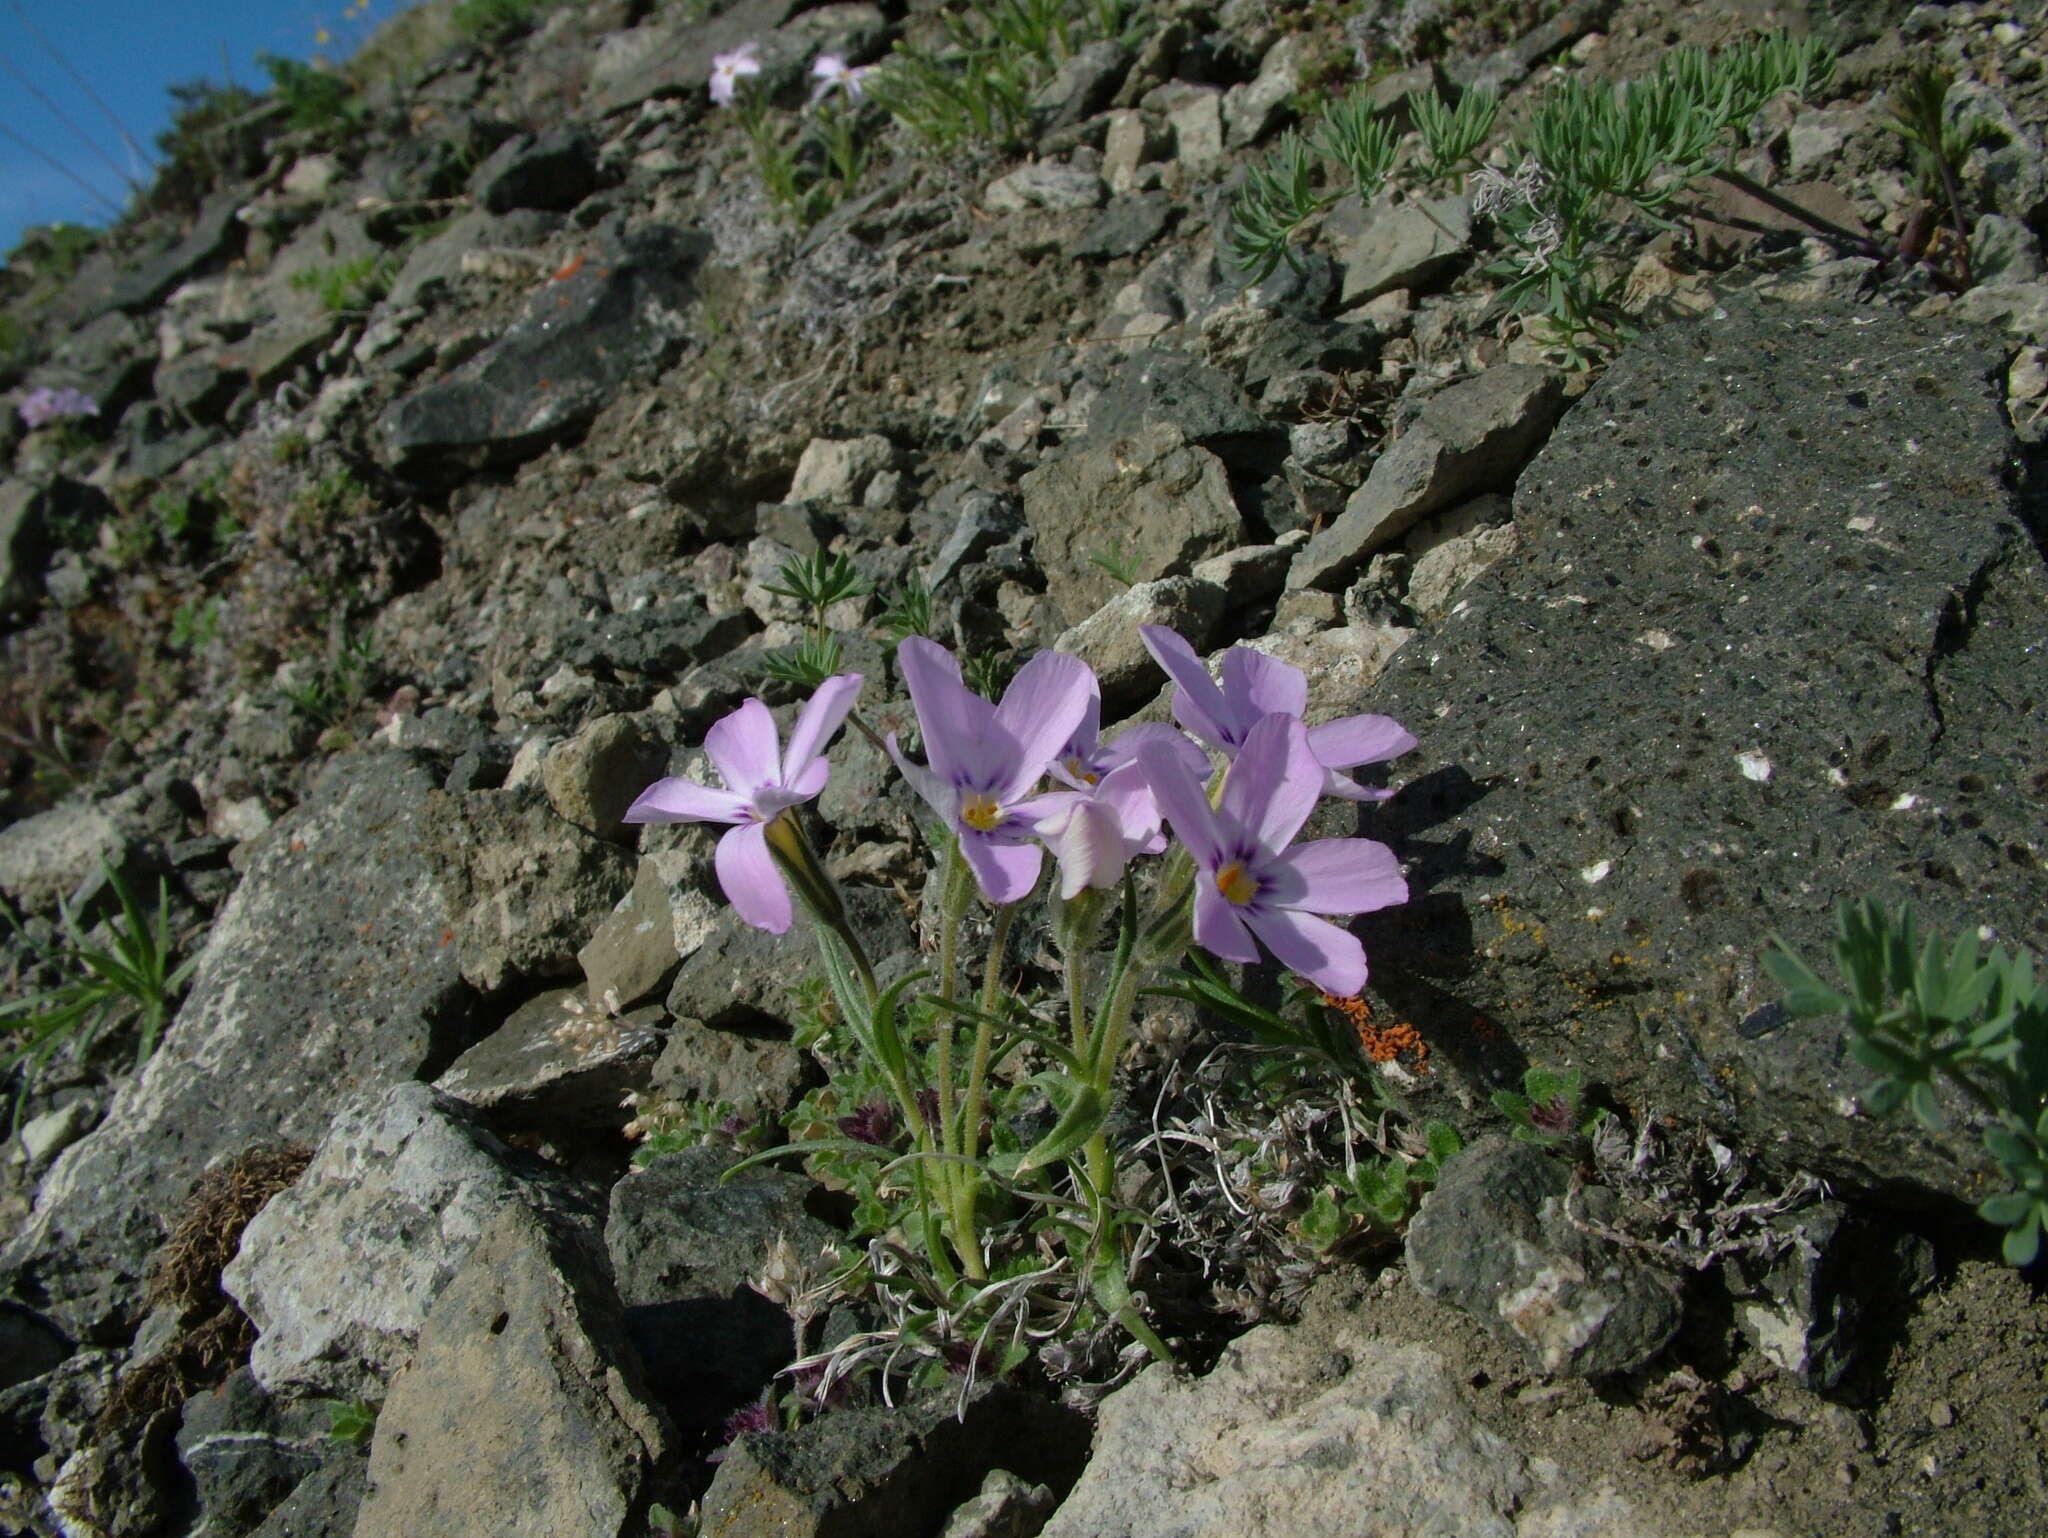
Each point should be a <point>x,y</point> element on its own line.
<point>684,1244</point>
<point>579,339</point>
<point>29,1344</point>
<point>594,776</point>
<point>985,520</point>
<point>1195,114</point>
<point>30,517</point>
<point>553,171</point>
<point>1451,548</point>
<point>632,954</point>
<point>2003,250</point>
<point>839,469</point>
<point>47,857</point>
<point>1820,1302</point>
<point>324,1505</point>
<point>1320,1432</point>
<point>880,1473</point>
<point>1152,500</point>
<point>1082,86</point>
<point>1158,388</point>
<point>1108,639</point>
<point>1050,185</point>
<point>525,1412</point>
<point>2021,308</point>
<point>1497,1238</point>
<point>1389,246</point>
<point>1131,142</point>
<point>435,263</point>
<point>216,234</point>
<point>1127,226</point>
<point>756,1074</point>
<point>530,884</point>
<point>558,1062</point>
<point>340,1270</point>
<point>1467,439</point>
<point>246,1452</point>
<point>325,971</point>
<point>1648,742</point>
<point>650,645</point>
<point>1007,1507</point>
<point>44,1137</point>
<point>1254,108</point>
<point>1248,575</point>
<point>743,978</point>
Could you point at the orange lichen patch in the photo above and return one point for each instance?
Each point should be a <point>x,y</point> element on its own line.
<point>1381,1043</point>
<point>568,269</point>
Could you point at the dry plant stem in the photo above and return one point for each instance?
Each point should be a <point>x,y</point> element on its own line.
<point>1792,210</point>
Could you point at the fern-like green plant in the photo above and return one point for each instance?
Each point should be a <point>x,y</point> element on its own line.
<point>131,975</point>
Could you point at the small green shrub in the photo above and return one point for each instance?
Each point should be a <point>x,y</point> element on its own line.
<point>316,101</point>
<point>347,287</point>
<point>132,975</point>
<point>494,21</point>
<point>1921,1013</point>
<point>1549,1109</point>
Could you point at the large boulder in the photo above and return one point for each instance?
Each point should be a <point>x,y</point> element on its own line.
<point>583,334</point>
<point>1769,641</point>
<point>327,970</point>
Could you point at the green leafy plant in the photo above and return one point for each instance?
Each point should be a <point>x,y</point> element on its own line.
<point>494,21</point>
<point>1120,568</point>
<point>352,1422</point>
<point>1939,142</point>
<point>1378,1194</point>
<point>326,691</point>
<point>351,286</point>
<point>1550,1108</point>
<point>316,101</point>
<point>130,976</point>
<point>194,626</point>
<point>818,582</point>
<point>1922,1013</point>
<point>911,614</point>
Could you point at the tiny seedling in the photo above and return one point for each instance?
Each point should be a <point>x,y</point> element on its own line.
<point>1550,1108</point>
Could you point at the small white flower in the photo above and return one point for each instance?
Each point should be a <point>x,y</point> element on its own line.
<point>727,68</point>
<point>831,70</point>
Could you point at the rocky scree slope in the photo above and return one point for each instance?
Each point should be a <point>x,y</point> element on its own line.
<point>362,623</point>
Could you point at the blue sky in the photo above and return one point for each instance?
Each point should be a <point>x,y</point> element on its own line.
<point>129,53</point>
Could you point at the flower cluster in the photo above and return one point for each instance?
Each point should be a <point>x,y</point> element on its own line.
<point>46,405</point>
<point>1029,774</point>
<point>830,70</point>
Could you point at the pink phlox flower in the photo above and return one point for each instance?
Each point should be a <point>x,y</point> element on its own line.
<point>1255,685</point>
<point>45,405</point>
<point>983,760</point>
<point>762,781</point>
<point>831,72</point>
<point>1249,882</point>
<point>1110,816</point>
<point>727,68</point>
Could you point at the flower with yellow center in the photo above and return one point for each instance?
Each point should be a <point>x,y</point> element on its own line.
<point>1237,883</point>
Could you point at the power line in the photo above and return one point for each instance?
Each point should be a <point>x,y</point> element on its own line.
<point>83,85</point>
<point>62,170</point>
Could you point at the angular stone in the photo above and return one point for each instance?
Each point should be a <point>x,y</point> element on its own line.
<point>1790,683</point>
<point>215,235</point>
<point>1151,500</point>
<point>558,1062</point>
<point>587,330</point>
<point>1455,546</point>
<point>1320,1431</point>
<point>1389,246</point>
<point>1468,438</point>
<point>1253,108</point>
<point>685,1243</point>
<point>1045,184</point>
<point>881,1473</point>
<point>1248,575</point>
<point>1163,388</point>
<point>339,1271</point>
<point>1126,227</point>
<point>593,777</point>
<point>839,469</point>
<point>525,1412</point>
<point>326,970</point>
<point>324,1505</point>
<point>47,857</point>
<point>246,1452</point>
<point>1085,83</point>
<point>743,978</point>
<point>1108,639</point>
<point>530,884</point>
<point>632,955</point>
<point>553,171</point>
<point>1497,1238</point>
<point>1195,114</point>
